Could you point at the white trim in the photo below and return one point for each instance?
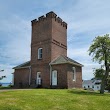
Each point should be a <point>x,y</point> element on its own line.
<point>13,79</point>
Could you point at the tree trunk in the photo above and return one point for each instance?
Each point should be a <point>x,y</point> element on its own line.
<point>102,87</point>
<point>104,79</point>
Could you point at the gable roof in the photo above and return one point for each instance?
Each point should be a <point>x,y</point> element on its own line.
<point>63,60</point>
<point>59,60</point>
<point>91,82</point>
<point>23,65</point>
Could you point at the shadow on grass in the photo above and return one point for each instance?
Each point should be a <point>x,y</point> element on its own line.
<point>86,92</point>
<point>5,88</point>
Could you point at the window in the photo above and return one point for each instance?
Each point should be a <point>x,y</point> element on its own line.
<point>74,73</point>
<point>40,53</point>
<point>92,86</point>
<point>88,86</point>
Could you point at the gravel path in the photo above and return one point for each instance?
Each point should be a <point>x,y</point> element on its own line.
<point>5,90</point>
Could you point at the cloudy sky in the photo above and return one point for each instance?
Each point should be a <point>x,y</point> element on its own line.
<point>86,19</point>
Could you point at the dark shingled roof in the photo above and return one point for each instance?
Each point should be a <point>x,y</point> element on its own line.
<point>59,60</point>
<point>64,59</point>
<point>23,65</point>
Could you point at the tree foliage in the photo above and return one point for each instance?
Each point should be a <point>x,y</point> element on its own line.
<point>100,51</point>
<point>2,77</point>
<point>99,48</point>
<point>99,73</point>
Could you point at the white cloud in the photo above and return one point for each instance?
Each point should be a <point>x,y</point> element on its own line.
<point>17,48</point>
<point>88,17</point>
<point>78,52</point>
<point>7,72</point>
<point>88,70</point>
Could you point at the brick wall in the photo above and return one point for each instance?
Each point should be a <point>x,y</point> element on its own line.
<point>61,75</point>
<point>45,74</point>
<point>65,76</point>
<point>78,82</point>
<point>21,78</point>
<point>59,39</point>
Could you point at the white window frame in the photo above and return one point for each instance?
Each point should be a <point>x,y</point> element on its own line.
<point>39,53</point>
<point>74,73</point>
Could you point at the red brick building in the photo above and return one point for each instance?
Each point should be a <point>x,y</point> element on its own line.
<point>49,66</point>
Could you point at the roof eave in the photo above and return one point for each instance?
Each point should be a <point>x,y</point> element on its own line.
<point>67,63</point>
<point>21,67</point>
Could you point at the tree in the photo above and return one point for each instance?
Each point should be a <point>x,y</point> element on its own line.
<point>99,73</point>
<point>2,76</point>
<point>100,51</point>
<point>108,84</point>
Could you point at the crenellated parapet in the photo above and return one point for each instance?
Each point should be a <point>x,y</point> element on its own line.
<point>50,15</point>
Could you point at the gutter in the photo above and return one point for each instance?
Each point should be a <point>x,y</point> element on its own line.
<point>21,67</point>
<point>29,75</point>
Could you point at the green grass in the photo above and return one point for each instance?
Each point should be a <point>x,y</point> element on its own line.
<point>53,99</point>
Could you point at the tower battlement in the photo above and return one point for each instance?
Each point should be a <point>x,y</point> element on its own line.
<point>50,15</point>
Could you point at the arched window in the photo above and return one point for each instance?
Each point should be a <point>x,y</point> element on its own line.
<point>74,73</point>
<point>40,53</point>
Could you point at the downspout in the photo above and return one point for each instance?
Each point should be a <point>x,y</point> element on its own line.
<point>13,79</point>
<point>50,74</point>
<point>29,76</point>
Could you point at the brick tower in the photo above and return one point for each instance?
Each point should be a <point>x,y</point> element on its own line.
<point>49,40</point>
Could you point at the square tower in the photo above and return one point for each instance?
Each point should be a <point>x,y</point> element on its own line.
<point>49,41</point>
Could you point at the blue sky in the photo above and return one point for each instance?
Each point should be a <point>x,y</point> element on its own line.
<point>86,19</point>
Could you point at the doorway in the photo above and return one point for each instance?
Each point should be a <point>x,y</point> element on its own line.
<point>38,80</point>
<point>54,78</point>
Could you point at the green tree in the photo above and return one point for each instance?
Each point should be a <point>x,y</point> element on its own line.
<point>99,73</point>
<point>100,51</point>
<point>2,77</point>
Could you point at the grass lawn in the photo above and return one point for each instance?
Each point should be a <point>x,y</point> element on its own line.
<point>53,99</point>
